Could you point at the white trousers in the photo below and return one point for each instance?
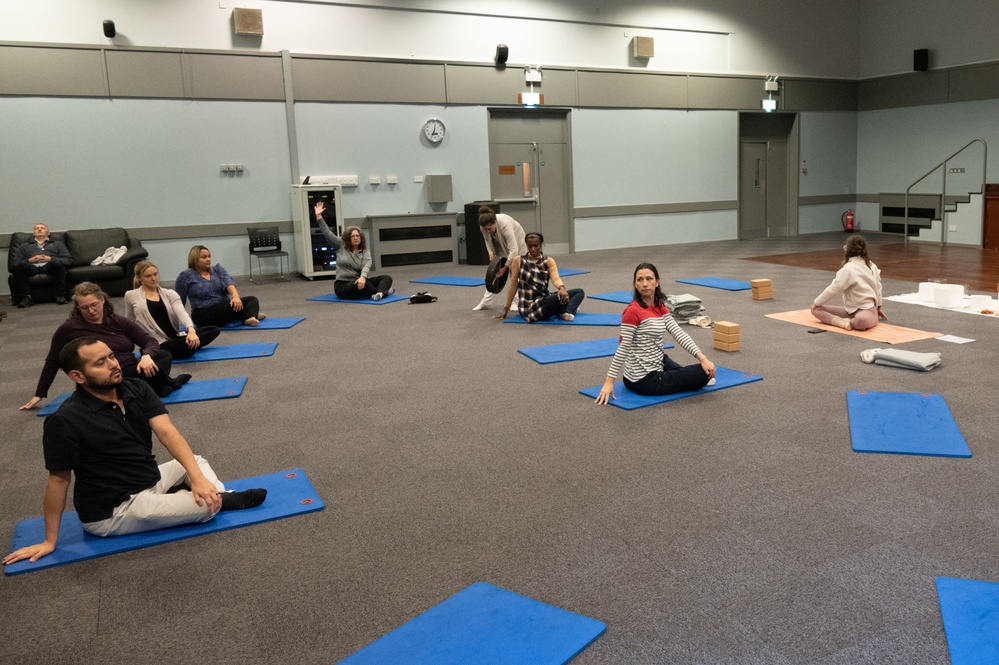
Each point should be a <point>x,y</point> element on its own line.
<point>153,508</point>
<point>489,298</point>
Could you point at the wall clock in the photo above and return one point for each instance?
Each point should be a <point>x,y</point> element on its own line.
<point>434,130</point>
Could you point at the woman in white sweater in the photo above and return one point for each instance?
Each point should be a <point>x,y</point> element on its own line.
<point>161,313</point>
<point>859,283</point>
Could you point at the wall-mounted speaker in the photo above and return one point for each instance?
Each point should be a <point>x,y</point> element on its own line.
<point>643,47</point>
<point>248,21</point>
<point>109,30</point>
<point>920,59</point>
<point>502,53</point>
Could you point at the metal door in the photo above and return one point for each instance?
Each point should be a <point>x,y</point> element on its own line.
<point>529,172</point>
<point>753,190</point>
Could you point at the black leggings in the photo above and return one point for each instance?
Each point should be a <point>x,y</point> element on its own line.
<point>163,360</point>
<point>347,289</point>
<point>674,378</point>
<point>223,313</point>
<point>178,348</point>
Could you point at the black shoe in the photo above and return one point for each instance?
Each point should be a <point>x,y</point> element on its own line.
<point>180,380</point>
<point>26,301</point>
<point>60,300</point>
<point>243,500</point>
<point>163,391</point>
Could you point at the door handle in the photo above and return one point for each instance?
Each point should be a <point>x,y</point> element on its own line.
<point>532,199</point>
<point>758,160</point>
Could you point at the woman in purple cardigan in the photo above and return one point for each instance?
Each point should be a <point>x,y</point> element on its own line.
<point>93,316</point>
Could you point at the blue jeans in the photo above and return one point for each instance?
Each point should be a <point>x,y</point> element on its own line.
<point>673,378</point>
<point>551,305</point>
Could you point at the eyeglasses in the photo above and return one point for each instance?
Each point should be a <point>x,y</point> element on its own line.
<point>93,307</point>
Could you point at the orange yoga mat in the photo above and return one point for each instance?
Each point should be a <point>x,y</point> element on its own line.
<point>883,332</point>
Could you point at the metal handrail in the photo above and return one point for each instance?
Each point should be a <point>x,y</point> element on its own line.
<point>943,194</point>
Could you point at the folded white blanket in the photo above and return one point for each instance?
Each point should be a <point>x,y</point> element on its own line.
<point>922,362</point>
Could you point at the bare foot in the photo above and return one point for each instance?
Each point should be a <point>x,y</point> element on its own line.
<point>842,322</point>
<point>252,321</point>
<point>261,316</point>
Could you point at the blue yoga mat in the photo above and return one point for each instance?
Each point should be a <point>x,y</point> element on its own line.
<point>193,391</point>
<point>331,297</point>
<point>288,493</point>
<point>485,625</point>
<point>970,610</point>
<point>230,352</point>
<point>267,324</point>
<point>724,378</point>
<point>582,319</point>
<point>559,353</point>
<point>718,283</point>
<point>451,280</point>
<point>623,297</point>
<point>904,423</point>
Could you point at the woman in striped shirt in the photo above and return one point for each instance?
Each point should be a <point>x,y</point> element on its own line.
<point>647,368</point>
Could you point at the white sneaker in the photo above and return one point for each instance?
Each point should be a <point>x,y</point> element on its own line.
<point>377,296</point>
<point>485,303</point>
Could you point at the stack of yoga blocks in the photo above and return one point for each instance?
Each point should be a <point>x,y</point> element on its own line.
<point>763,289</point>
<point>726,336</point>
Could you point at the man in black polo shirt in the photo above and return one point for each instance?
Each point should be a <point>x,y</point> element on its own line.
<point>103,434</point>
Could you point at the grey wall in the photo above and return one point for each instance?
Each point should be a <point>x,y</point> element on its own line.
<point>134,134</point>
<point>717,36</point>
<point>897,146</point>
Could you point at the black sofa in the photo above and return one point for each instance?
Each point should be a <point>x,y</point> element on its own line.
<point>84,245</point>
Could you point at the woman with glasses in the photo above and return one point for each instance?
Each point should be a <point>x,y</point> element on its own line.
<point>353,261</point>
<point>93,316</point>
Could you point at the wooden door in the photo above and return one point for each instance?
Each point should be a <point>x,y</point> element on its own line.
<point>990,233</point>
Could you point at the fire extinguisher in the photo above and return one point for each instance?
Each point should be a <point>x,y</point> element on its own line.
<point>848,221</point>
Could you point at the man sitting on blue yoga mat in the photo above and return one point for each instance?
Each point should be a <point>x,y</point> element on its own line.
<point>103,434</point>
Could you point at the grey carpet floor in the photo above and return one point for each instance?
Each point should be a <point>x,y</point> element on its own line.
<point>736,527</point>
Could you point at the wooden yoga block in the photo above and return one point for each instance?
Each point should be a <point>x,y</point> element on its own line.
<point>726,327</point>
<point>763,294</point>
<point>726,338</point>
<point>726,346</point>
<point>761,283</point>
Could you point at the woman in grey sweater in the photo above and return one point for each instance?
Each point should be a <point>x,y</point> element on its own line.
<point>353,261</point>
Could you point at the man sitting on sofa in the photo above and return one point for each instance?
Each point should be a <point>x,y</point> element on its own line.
<point>40,255</point>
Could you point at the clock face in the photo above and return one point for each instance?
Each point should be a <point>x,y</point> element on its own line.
<point>434,130</point>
